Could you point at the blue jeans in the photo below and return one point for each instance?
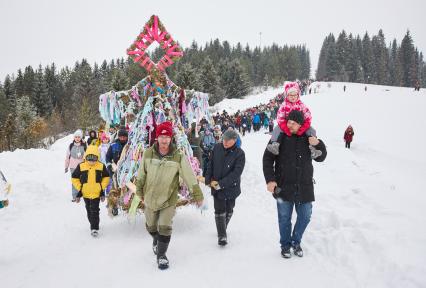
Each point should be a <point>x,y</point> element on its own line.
<point>74,191</point>
<point>285,210</point>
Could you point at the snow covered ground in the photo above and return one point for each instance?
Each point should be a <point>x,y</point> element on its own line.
<point>366,229</point>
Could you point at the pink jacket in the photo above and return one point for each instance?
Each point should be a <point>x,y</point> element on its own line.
<point>287,107</point>
<point>74,155</point>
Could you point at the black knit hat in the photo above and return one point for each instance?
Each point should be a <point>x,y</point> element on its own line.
<point>296,116</point>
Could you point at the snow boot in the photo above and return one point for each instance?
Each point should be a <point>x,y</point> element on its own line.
<point>297,250</point>
<point>274,148</point>
<point>154,242</point>
<point>162,261</point>
<point>114,211</point>
<point>285,252</point>
<point>228,218</point>
<point>94,233</point>
<point>221,229</point>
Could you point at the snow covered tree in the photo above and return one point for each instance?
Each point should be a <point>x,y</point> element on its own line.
<point>25,115</point>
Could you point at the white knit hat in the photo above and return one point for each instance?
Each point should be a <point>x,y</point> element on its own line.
<point>78,133</point>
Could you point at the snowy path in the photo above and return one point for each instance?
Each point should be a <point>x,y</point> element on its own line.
<point>367,228</point>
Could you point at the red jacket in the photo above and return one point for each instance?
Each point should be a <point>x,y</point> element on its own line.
<point>349,134</point>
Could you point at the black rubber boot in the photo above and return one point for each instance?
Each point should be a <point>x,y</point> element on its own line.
<point>162,245</point>
<point>221,229</point>
<point>228,218</point>
<point>154,241</point>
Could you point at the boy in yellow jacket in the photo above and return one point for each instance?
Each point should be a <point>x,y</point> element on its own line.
<point>91,178</point>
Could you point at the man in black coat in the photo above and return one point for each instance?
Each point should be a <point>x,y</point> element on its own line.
<point>289,176</point>
<point>223,175</point>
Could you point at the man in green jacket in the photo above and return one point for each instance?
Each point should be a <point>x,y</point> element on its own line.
<point>158,185</point>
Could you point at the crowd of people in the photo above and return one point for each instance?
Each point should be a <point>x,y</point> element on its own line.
<point>287,168</point>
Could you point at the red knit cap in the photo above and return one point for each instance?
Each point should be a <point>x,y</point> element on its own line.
<point>165,129</point>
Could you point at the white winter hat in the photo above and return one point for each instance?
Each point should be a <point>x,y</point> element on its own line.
<point>78,133</point>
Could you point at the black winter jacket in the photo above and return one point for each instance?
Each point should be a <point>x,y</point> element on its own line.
<point>292,168</point>
<point>226,167</point>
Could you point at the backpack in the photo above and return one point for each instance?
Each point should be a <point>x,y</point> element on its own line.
<point>72,145</point>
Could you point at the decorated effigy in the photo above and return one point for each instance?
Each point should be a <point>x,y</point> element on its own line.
<point>147,104</point>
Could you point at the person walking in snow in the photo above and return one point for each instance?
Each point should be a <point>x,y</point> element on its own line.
<point>157,185</point>
<point>207,143</point>
<point>113,156</point>
<point>103,148</point>
<point>289,176</point>
<point>292,102</point>
<point>74,156</point>
<point>5,189</point>
<point>348,136</point>
<point>90,179</point>
<point>92,140</point>
<point>223,175</point>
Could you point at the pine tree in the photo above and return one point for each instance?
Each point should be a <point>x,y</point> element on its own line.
<point>395,65</point>
<point>9,92</point>
<point>367,59</point>
<point>187,77</point>
<point>119,81</point>
<point>53,84</point>
<point>25,115</point>
<point>321,73</point>
<point>210,82</point>
<point>380,59</point>
<point>4,105</point>
<point>19,84</point>
<point>407,58</point>
<point>238,83</point>
<point>342,47</point>
<point>41,99</point>
<point>332,64</point>
<point>9,130</point>
<point>29,77</point>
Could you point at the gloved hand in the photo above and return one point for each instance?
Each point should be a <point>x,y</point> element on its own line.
<point>66,170</point>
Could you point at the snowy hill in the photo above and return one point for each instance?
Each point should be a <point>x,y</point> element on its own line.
<point>366,229</point>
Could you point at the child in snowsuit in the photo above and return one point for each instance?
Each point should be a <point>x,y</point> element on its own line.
<point>103,148</point>
<point>91,178</point>
<point>5,189</point>
<point>292,102</point>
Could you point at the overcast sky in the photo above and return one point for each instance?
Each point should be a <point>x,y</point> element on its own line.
<point>45,31</point>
